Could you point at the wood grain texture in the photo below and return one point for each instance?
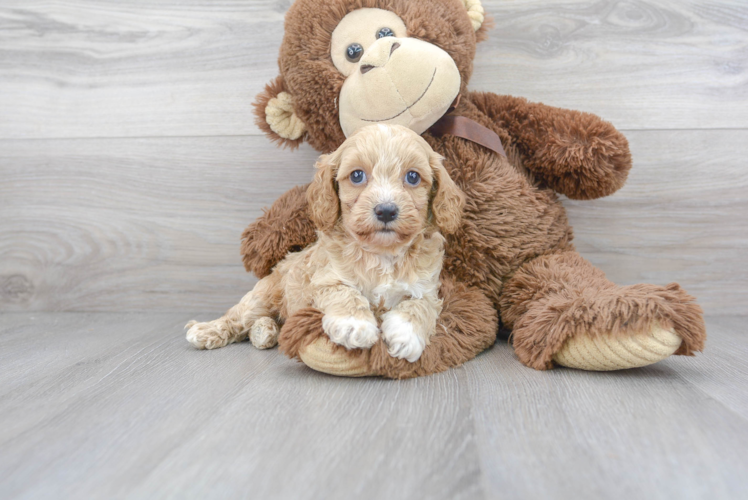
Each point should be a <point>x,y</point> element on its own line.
<point>89,68</point>
<point>726,368</point>
<point>116,405</point>
<point>678,218</point>
<point>137,224</point>
<point>154,224</point>
<point>665,64</point>
<point>130,163</point>
<point>642,433</point>
<point>134,224</point>
<point>148,416</point>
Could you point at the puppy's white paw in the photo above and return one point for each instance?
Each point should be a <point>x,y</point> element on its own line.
<point>264,333</point>
<point>402,340</point>
<point>206,335</point>
<point>350,332</point>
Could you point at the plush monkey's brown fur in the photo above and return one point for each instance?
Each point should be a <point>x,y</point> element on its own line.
<point>513,252</point>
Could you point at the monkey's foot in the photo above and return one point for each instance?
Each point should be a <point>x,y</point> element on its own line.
<point>608,353</point>
<point>324,356</point>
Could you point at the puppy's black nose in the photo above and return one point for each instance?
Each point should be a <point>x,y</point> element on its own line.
<point>386,212</point>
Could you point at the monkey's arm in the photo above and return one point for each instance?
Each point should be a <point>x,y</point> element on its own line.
<point>574,153</point>
<point>283,228</point>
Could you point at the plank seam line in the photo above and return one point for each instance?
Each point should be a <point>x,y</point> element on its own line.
<point>461,372</point>
<point>259,134</point>
<point>742,417</point>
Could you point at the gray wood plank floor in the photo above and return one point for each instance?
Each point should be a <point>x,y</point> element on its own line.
<point>154,224</point>
<point>118,405</point>
<point>130,163</point>
<point>95,68</point>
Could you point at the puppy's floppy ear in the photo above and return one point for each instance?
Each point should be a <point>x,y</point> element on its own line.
<point>322,193</point>
<point>446,207</point>
<point>275,115</point>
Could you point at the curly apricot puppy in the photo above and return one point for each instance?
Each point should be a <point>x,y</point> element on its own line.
<point>380,204</point>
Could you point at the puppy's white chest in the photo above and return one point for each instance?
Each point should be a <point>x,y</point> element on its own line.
<point>391,293</point>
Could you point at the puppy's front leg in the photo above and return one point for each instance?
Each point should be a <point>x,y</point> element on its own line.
<point>347,319</point>
<point>407,328</point>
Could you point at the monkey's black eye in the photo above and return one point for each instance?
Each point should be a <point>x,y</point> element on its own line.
<point>354,52</point>
<point>358,177</point>
<point>413,178</point>
<point>383,32</point>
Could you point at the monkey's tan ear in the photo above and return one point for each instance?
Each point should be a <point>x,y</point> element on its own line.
<point>475,12</point>
<point>274,111</point>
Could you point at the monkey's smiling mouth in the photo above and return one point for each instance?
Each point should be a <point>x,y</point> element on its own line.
<point>407,108</point>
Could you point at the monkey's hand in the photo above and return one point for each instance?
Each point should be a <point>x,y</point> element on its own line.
<point>283,228</point>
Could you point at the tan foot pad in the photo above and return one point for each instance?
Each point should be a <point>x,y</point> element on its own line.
<point>607,353</point>
<point>324,356</point>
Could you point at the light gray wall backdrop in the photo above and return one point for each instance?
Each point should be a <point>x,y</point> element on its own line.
<point>130,163</point>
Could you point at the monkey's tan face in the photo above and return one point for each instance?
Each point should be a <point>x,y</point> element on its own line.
<point>384,186</point>
<point>390,78</point>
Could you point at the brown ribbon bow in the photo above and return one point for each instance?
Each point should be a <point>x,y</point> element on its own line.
<point>471,130</point>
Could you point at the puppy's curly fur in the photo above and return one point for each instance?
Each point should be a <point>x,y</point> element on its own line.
<point>380,203</point>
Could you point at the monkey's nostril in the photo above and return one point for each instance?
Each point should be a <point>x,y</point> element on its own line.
<point>365,68</point>
<point>386,212</point>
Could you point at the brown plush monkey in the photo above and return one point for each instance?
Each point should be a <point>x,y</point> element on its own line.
<point>348,63</point>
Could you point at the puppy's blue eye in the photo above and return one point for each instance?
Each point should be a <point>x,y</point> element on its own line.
<point>385,32</point>
<point>358,177</point>
<point>413,178</point>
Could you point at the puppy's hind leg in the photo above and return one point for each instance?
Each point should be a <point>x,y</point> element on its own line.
<point>253,313</point>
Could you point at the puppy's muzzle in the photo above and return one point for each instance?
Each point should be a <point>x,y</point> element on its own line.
<point>386,212</point>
